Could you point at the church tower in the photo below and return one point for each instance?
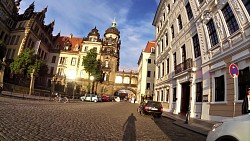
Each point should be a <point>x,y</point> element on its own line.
<point>110,54</point>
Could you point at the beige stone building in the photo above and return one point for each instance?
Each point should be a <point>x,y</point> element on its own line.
<point>146,72</point>
<point>197,40</point>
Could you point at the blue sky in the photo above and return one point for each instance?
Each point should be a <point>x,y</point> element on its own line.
<point>134,20</point>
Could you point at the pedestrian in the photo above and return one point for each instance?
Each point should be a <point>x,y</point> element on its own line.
<point>246,103</point>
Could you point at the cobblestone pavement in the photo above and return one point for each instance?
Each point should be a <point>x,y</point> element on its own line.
<point>45,120</point>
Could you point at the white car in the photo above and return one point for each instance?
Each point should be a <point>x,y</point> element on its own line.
<point>89,97</point>
<point>233,129</point>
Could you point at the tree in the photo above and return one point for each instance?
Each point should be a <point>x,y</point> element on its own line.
<point>26,62</point>
<point>92,66</point>
<point>2,50</point>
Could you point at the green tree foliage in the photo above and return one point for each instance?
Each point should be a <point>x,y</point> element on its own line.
<point>92,66</point>
<point>2,50</point>
<point>26,62</point>
<point>90,62</point>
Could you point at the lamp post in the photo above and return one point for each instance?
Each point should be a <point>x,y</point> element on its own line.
<point>32,82</point>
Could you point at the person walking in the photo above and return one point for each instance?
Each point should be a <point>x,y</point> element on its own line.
<point>246,103</point>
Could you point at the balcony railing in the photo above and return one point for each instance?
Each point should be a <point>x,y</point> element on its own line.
<point>184,66</point>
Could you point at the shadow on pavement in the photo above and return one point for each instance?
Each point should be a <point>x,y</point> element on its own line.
<point>176,133</point>
<point>129,129</point>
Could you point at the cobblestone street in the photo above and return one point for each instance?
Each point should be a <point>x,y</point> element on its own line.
<point>44,120</point>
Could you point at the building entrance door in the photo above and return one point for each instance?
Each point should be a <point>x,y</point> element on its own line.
<point>185,96</point>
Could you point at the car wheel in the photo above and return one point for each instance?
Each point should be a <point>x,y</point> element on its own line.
<point>227,138</point>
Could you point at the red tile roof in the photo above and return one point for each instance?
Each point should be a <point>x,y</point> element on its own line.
<point>73,40</point>
<point>150,44</point>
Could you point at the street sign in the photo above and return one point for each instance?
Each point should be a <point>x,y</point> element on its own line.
<point>234,70</point>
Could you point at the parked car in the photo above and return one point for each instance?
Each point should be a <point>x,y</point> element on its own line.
<point>105,98</point>
<point>89,97</point>
<point>233,129</point>
<point>150,107</point>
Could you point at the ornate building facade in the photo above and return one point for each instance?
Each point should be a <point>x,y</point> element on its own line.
<point>64,55</point>
<point>196,43</point>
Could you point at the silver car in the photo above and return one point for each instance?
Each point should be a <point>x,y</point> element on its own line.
<point>233,129</point>
<point>89,97</point>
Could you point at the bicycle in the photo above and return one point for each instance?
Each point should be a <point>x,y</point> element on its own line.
<point>58,98</point>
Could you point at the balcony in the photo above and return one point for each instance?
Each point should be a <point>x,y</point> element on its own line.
<point>184,66</point>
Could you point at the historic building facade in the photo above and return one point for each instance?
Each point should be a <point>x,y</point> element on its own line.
<point>64,55</point>
<point>146,72</point>
<point>196,43</point>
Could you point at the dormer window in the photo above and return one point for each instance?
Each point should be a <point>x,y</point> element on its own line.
<point>152,50</point>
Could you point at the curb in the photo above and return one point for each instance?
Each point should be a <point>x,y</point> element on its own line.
<point>181,123</point>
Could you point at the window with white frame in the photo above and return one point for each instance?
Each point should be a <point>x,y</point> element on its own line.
<point>196,44</point>
<point>73,61</point>
<point>212,33</point>
<point>230,19</point>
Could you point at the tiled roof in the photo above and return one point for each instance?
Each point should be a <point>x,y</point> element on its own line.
<point>74,41</point>
<point>150,44</point>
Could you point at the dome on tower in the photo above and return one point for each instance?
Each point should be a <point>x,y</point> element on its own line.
<point>113,29</point>
<point>94,32</point>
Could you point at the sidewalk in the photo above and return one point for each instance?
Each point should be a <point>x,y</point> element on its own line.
<point>196,125</point>
<point>31,97</point>
<point>24,96</point>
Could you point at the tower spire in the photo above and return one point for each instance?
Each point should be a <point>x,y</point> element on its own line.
<point>114,23</point>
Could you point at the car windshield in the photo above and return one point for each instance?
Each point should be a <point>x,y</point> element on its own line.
<point>154,104</point>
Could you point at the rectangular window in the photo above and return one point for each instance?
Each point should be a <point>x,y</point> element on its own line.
<point>162,45</point>
<point>53,59</point>
<point>148,73</point>
<point>172,30</point>
<point>179,22</point>
<point>162,67</point>
<point>174,94</point>
<point>162,95</point>
<point>247,5</point>
<point>189,11</point>
<point>199,92</point>
<point>200,1</point>
<point>243,82</point>
<point>8,53</point>
<point>17,40</point>
<point>168,66</point>
<point>149,61</point>
<point>148,86</point>
<point>13,40</point>
<point>196,44</point>
<point>13,53</point>
<point>174,56</point>
<point>167,95</point>
<point>166,39</point>
<point>219,88</point>
<point>230,19</point>
<point>73,61</point>
<point>159,72</point>
<point>63,61</point>
<point>183,49</point>
<point>212,33</point>
<point>1,35</point>
<point>51,70</point>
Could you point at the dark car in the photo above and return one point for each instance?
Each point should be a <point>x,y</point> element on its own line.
<point>151,107</point>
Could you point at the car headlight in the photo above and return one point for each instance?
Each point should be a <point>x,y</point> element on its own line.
<point>217,125</point>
